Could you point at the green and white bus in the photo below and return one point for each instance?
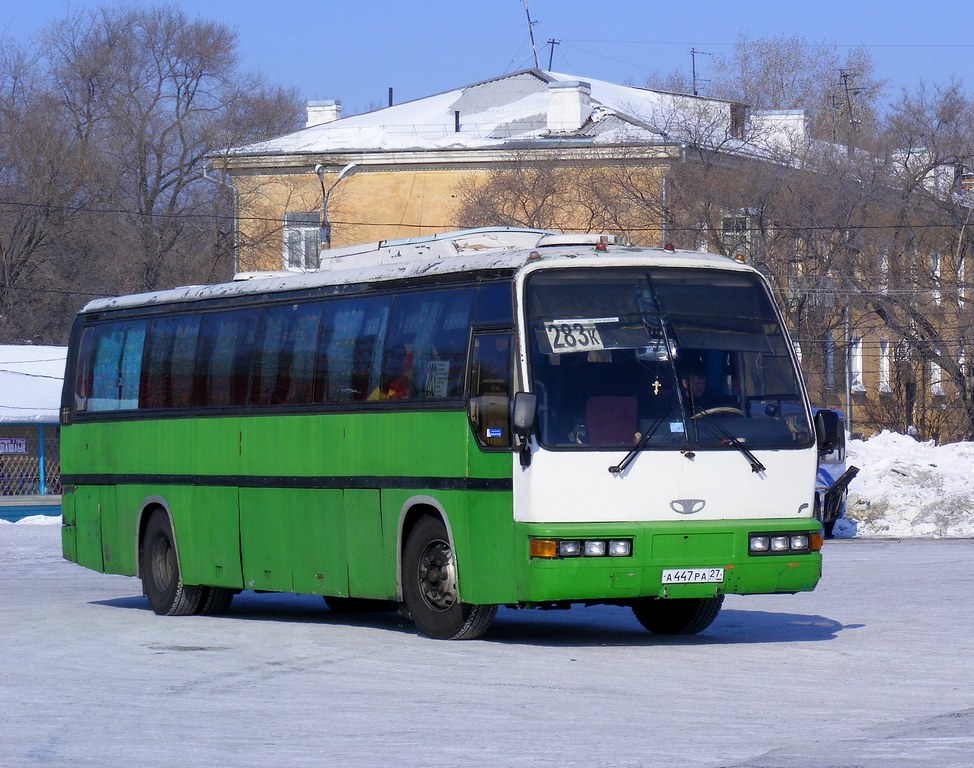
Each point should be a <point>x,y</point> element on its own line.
<point>448,424</point>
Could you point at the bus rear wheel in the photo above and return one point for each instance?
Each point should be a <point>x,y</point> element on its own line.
<point>215,601</point>
<point>429,587</point>
<point>161,580</point>
<point>686,616</point>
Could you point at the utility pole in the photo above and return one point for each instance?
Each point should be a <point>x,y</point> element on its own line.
<point>551,55</point>
<point>693,67</point>
<point>531,35</point>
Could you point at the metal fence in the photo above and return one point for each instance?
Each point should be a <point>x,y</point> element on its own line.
<point>30,460</point>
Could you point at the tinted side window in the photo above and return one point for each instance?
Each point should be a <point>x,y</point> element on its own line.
<point>490,388</point>
<point>426,346</point>
<point>108,375</point>
<point>284,365</point>
<point>226,347</point>
<point>349,348</point>
<point>495,305</point>
<point>168,377</point>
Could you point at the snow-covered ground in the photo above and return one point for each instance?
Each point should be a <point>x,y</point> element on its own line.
<point>871,670</point>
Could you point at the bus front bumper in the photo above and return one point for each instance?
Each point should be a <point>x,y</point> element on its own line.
<point>699,560</point>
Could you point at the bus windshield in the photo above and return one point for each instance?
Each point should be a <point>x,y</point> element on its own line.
<point>662,358</point>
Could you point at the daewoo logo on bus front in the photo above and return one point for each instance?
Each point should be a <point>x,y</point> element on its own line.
<point>687,506</point>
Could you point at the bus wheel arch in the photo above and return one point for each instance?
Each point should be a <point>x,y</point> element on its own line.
<point>428,582</point>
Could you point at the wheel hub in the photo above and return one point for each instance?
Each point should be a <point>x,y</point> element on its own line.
<point>438,576</point>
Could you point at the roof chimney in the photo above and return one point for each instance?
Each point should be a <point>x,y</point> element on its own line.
<point>321,112</point>
<point>570,105</point>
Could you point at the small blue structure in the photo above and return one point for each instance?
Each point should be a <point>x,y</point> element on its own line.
<point>30,459</point>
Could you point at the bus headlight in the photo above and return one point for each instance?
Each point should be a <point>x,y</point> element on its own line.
<point>759,544</point>
<point>620,548</point>
<point>555,549</point>
<point>569,548</point>
<point>595,548</point>
<point>783,543</point>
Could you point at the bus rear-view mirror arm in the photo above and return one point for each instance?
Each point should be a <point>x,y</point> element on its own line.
<point>524,414</point>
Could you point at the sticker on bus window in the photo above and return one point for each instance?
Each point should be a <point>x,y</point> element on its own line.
<point>494,432</point>
<point>580,335</point>
<point>437,379</point>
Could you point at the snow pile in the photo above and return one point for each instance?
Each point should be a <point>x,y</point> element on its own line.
<point>908,489</point>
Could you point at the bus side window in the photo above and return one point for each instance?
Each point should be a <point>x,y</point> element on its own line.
<point>285,355</point>
<point>111,366</point>
<point>490,388</point>
<point>351,339</point>
<point>224,357</point>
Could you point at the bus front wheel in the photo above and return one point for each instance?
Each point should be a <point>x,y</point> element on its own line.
<point>685,616</point>
<point>429,586</point>
<point>161,580</point>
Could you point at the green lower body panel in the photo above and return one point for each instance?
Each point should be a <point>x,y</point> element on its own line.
<point>657,547</point>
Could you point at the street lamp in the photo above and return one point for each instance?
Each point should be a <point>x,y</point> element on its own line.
<point>348,170</point>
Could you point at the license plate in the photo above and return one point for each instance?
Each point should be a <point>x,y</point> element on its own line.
<point>693,576</point>
<point>573,336</point>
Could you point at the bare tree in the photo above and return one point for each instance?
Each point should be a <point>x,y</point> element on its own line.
<point>41,191</point>
<point>839,94</point>
<point>151,93</point>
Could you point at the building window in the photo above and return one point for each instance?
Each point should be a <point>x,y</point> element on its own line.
<point>884,367</point>
<point>302,233</point>
<point>735,236</point>
<point>855,365</point>
<point>935,277</point>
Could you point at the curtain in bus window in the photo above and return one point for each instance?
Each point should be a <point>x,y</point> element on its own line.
<point>284,363</point>
<point>183,368</point>
<point>116,366</point>
<point>106,378</point>
<point>351,336</point>
<point>131,368</point>
<point>223,358</point>
<point>448,352</point>
<point>84,370</point>
<point>169,374</point>
<point>426,347</point>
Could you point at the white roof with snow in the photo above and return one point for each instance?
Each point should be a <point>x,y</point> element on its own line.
<point>30,383</point>
<point>504,110</point>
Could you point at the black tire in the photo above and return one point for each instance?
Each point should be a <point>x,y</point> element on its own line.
<point>429,587</point>
<point>161,580</point>
<point>215,601</point>
<point>358,605</point>
<point>685,616</point>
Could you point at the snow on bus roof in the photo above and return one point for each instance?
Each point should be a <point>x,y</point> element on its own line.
<point>499,260</point>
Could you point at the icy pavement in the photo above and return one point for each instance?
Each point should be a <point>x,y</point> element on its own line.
<point>872,669</point>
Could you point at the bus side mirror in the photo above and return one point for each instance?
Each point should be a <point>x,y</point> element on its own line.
<point>828,430</point>
<point>524,416</point>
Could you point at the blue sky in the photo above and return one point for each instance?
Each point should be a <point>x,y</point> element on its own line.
<point>355,50</point>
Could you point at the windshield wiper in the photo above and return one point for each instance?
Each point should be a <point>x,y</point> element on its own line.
<point>719,429</point>
<point>643,442</point>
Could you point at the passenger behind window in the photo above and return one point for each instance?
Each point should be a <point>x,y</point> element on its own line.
<point>400,385</point>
